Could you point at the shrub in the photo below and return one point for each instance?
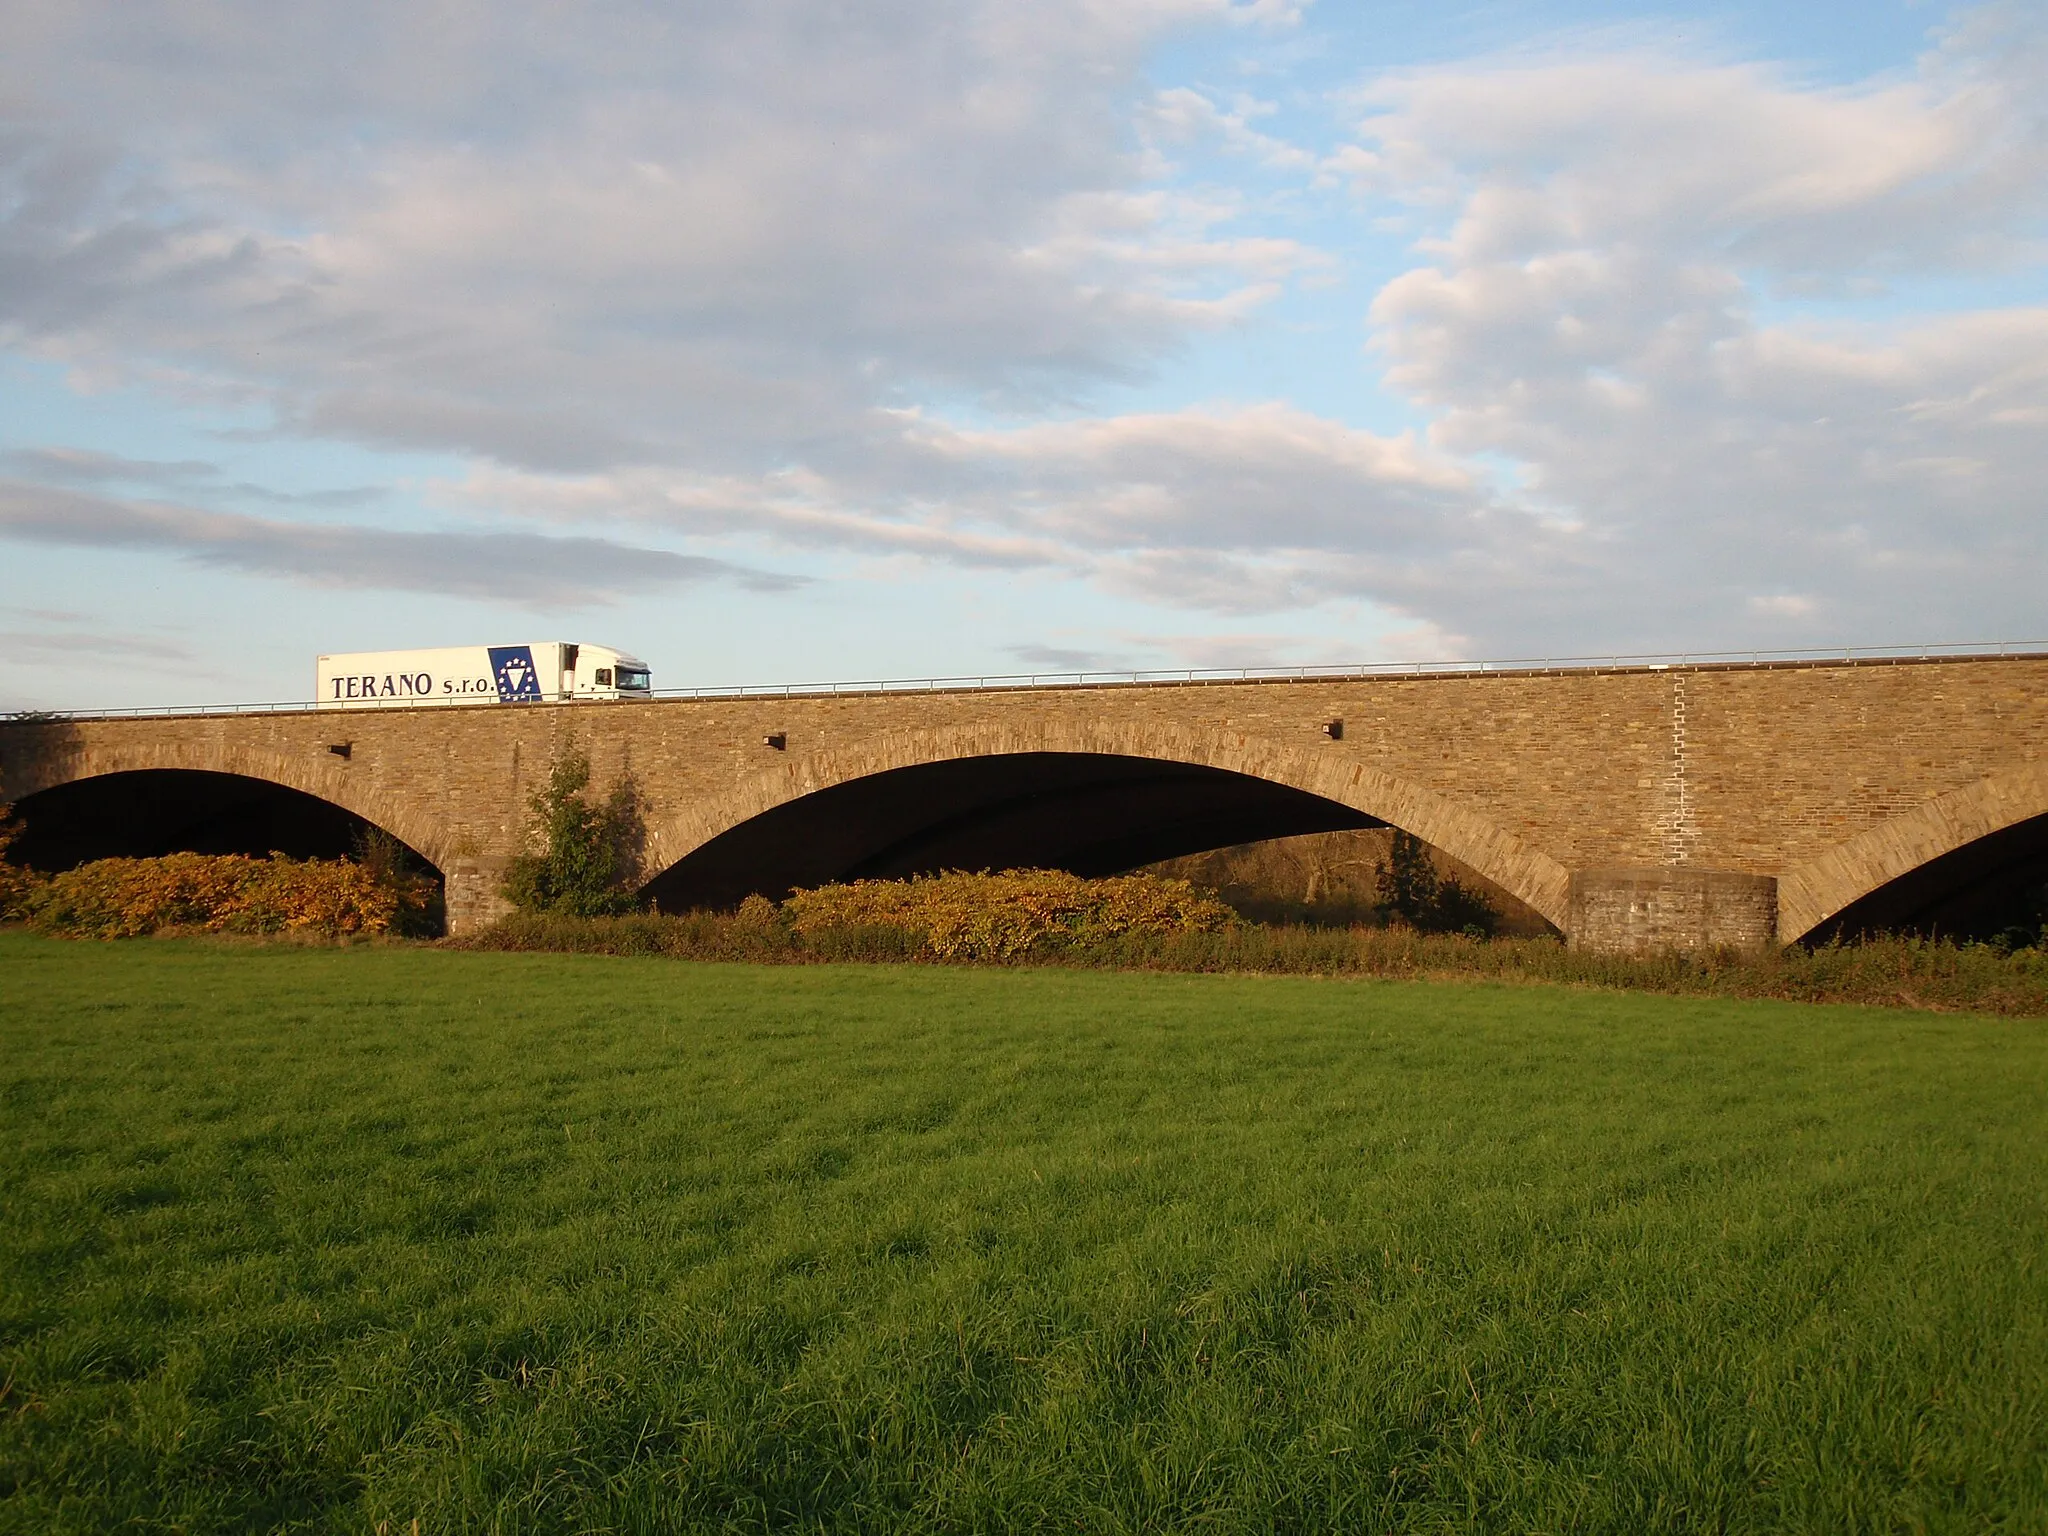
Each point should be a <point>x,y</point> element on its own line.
<point>1912,973</point>
<point>18,886</point>
<point>1001,916</point>
<point>229,893</point>
<point>581,858</point>
<point>387,861</point>
<point>689,936</point>
<point>1411,890</point>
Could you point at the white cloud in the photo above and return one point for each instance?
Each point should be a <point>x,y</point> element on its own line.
<point>1791,605</point>
<point>1604,310</point>
<point>847,280</point>
<point>1180,116</point>
<point>605,235</point>
<point>191,477</point>
<point>1238,510</point>
<point>516,566</point>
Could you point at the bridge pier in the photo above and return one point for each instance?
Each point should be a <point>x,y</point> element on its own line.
<point>1642,911</point>
<point>471,891</point>
<point>1636,807</point>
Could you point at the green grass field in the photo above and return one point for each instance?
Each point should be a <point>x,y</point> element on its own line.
<point>348,1239</point>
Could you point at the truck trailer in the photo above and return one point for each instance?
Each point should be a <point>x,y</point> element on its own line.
<point>550,671</point>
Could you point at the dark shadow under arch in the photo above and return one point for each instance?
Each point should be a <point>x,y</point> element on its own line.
<point>147,812</point>
<point>1089,812</point>
<point>1977,891</point>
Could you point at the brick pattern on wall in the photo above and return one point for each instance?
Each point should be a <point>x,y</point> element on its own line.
<point>1525,777</point>
<point>1640,911</point>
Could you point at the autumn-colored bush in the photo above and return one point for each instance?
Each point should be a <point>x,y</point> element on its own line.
<point>958,916</point>
<point>229,893</point>
<point>1018,914</point>
<point>17,885</point>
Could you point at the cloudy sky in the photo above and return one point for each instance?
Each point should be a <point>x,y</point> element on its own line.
<point>803,340</point>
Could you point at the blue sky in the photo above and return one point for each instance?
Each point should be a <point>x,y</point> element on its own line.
<point>780,343</point>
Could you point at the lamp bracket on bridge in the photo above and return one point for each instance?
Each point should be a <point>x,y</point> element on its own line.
<point>777,740</point>
<point>1334,729</point>
<point>342,749</point>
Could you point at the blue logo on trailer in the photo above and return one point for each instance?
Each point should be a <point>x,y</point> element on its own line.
<point>518,679</point>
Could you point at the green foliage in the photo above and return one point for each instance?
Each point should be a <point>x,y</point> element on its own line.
<point>2029,926</point>
<point>1346,878</point>
<point>581,858</point>
<point>1412,891</point>
<point>1911,973</point>
<point>320,1240</point>
<point>1408,880</point>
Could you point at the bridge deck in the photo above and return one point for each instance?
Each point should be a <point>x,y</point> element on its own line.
<point>1207,677</point>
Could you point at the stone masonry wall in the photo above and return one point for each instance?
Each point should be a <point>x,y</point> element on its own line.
<point>1524,776</point>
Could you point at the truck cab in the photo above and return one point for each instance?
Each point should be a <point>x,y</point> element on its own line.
<point>598,672</point>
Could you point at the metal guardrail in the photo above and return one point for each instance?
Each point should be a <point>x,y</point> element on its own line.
<point>1651,661</point>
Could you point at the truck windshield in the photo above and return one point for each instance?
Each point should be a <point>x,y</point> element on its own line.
<point>634,679</point>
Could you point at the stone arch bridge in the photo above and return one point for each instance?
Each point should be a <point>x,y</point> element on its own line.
<point>1630,806</point>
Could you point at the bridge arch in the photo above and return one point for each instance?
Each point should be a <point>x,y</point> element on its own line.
<point>1354,794</point>
<point>1956,837</point>
<point>71,785</point>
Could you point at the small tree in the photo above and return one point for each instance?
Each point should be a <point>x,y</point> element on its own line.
<point>1408,881</point>
<point>580,857</point>
<point>1459,910</point>
<point>1411,889</point>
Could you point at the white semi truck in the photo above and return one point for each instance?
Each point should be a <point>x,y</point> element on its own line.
<point>551,671</point>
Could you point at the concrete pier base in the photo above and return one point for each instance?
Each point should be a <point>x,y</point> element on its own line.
<point>1644,911</point>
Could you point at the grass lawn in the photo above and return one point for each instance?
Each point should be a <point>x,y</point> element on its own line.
<point>345,1239</point>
